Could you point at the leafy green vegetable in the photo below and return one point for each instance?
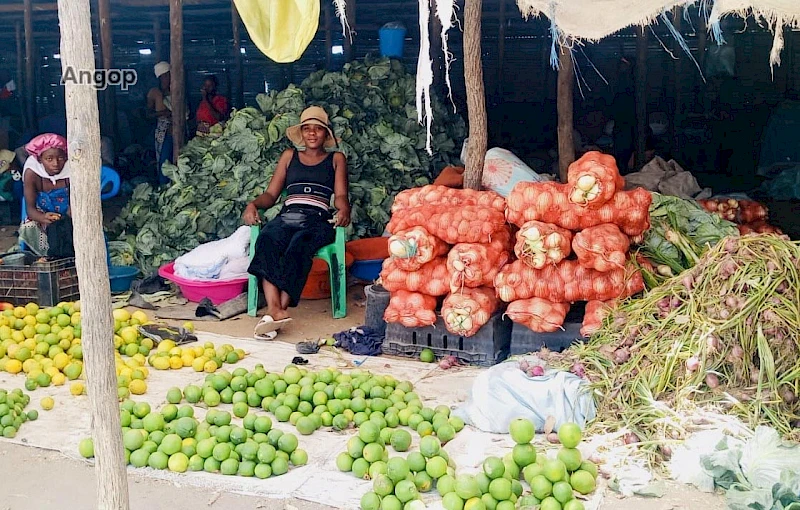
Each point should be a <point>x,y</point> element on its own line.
<point>371,106</point>
<point>681,231</point>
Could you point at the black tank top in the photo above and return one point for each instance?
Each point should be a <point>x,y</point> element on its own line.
<point>310,185</point>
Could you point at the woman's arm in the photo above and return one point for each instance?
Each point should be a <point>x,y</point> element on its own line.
<point>340,188</point>
<point>30,183</point>
<point>155,105</point>
<point>274,190</point>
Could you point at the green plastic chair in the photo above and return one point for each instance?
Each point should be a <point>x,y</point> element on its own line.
<point>333,255</point>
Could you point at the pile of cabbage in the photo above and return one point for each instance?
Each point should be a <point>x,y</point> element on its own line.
<point>371,104</point>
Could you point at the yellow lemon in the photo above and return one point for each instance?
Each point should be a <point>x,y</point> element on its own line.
<point>5,331</point>
<point>137,374</point>
<point>166,345</point>
<point>31,309</point>
<point>160,363</point>
<point>198,363</point>
<point>175,351</point>
<point>11,350</point>
<point>137,387</point>
<point>13,366</point>
<point>197,351</point>
<point>129,334</point>
<point>29,331</point>
<point>59,379</point>
<point>145,371</point>
<point>147,343</point>
<point>189,326</point>
<point>210,366</point>
<point>30,365</point>
<point>187,359</point>
<point>52,371</point>
<point>175,362</point>
<point>122,315</point>
<point>140,316</point>
<point>17,336</point>
<point>47,403</point>
<point>77,388</point>
<point>60,360</point>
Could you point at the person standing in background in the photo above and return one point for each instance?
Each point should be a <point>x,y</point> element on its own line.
<point>159,107</point>
<point>213,108</point>
<point>623,112</point>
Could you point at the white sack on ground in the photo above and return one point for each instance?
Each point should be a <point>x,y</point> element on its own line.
<point>504,393</point>
<point>208,261</point>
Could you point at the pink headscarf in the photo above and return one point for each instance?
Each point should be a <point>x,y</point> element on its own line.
<point>44,142</point>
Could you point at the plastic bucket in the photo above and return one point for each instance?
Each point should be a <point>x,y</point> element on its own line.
<point>391,41</point>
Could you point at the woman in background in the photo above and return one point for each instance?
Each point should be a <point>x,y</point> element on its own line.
<point>47,231</point>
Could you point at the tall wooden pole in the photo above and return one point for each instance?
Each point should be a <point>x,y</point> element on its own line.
<point>30,88</point>
<point>107,50</point>
<point>159,50</point>
<point>501,48</point>
<point>476,95</point>
<point>437,53</point>
<point>702,39</point>
<point>83,133</point>
<point>328,37</point>
<point>564,105</point>
<point>177,87</point>
<point>677,115</point>
<point>237,56</point>
<point>641,97</point>
<point>350,14</point>
<point>21,74</point>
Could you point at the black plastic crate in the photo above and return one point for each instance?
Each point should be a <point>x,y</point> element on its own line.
<point>44,283</point>
<point>523,340</point>
<point>489,346</point>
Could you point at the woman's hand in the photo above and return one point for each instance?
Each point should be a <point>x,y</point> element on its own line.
<point>342,218</point>
<point>251,216</point>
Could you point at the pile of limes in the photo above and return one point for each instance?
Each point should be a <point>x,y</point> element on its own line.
<point>173,439</point>
<point>127,339</point>
<point>397,482</point>
<point>206,358</point>
<point>12,412</point>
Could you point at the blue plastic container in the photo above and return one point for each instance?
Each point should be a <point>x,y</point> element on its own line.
<point>367,270</point>
<point>121,277</point>
<point>391,41</point>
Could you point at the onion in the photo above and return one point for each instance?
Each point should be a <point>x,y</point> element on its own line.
<point>730,245</point>
<point>675,302</point>
<point>788,395</point>
<point>666,451</point>
<point>532,233</point>
<point>724,313</point>
<point>688,282</point>
<point>586,182</point>
<point>536,371</point>
<point>712,380</point>
<point>771,266</point>
<point>577,196</point>
<point>621,356</point>
<point>578,370</point>
<point>523,365</point>
<point>737,352</point>
<point>663,303</point>
<point>692,364</point>
<point>664,270</point>
<point>712,343</point>
<point>398,249</point>
<point>553,240</point>
<point>754,374</point>
<point>553,438</point>
<point>630,438</point>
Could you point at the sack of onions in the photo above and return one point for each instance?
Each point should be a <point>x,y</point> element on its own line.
<point>538,314</point>
<point>433,195</point>
<point>593,179</point>
<point>539,244</point>
<point>411,309</point>
<point>596,311</point>
<point>462,224</point>
<point>474,265</point>
<point>412,248</point>
<point>431,278</point>
<point>603,247</point>
<point>466,311</point>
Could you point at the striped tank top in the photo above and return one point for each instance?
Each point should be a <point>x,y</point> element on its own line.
<point>310,185</point>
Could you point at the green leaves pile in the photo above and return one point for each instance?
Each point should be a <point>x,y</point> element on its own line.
<point>371,104</point>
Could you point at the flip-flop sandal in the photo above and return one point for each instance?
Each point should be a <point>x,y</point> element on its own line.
<point>267,325</point>
<point>267,337</point>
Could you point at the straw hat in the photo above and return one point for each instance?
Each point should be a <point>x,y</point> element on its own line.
<point>313,115</point>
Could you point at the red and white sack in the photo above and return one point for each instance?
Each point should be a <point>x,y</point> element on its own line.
<point>474,265</point>
<point>538,314</point>
<point>593,179</point>
<point>431,278</point>
<point>410,309</point>
<point>603,247</point>
<point>596,312</point>
<point>412,248</point>
<point>466,311</point>
<point>540,244</point>
<point>433,195</point>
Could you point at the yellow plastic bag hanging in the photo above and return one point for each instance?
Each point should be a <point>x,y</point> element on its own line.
<point>281,29</point>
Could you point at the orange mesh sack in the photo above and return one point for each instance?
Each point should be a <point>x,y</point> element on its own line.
<point>503,239</point>
<point>602,247</point>
<point>566,282</point>
<point>453,225</point>
<point>433,194</point>
<point>538,314</point>
<point>593,180</point>
<point>411,309</point>
<point>549,202</point>
<point>474,265</point>
<point>431,278</point>
<point>412,248</point>
<point>466,311</point>
<point>539,244</point>
<point>596,311</point>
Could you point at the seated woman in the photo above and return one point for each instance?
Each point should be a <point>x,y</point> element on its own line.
<point>47,231</point>
<point>287,244</point>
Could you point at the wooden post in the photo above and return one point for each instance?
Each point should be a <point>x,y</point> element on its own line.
<point>83,133</point>
<point>437,54</point>
<point>328,38</point>
<point>30,88</point>
<point>564,105</point>
<point>350,14</point>
<point>237,57</point>
<point>21,74</point>
<point>107,50</point>
<point>501,49</point>
<point>641,97</point>
<point>476,96</point>
<point>177,88</point>
<point>702,39</point>
<point>159,50</point>
<point>677,114</point>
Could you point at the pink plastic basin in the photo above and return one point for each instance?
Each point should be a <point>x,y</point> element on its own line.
<point>195,290</point>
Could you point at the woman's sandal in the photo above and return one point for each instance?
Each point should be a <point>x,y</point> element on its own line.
<point>267,328</point>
